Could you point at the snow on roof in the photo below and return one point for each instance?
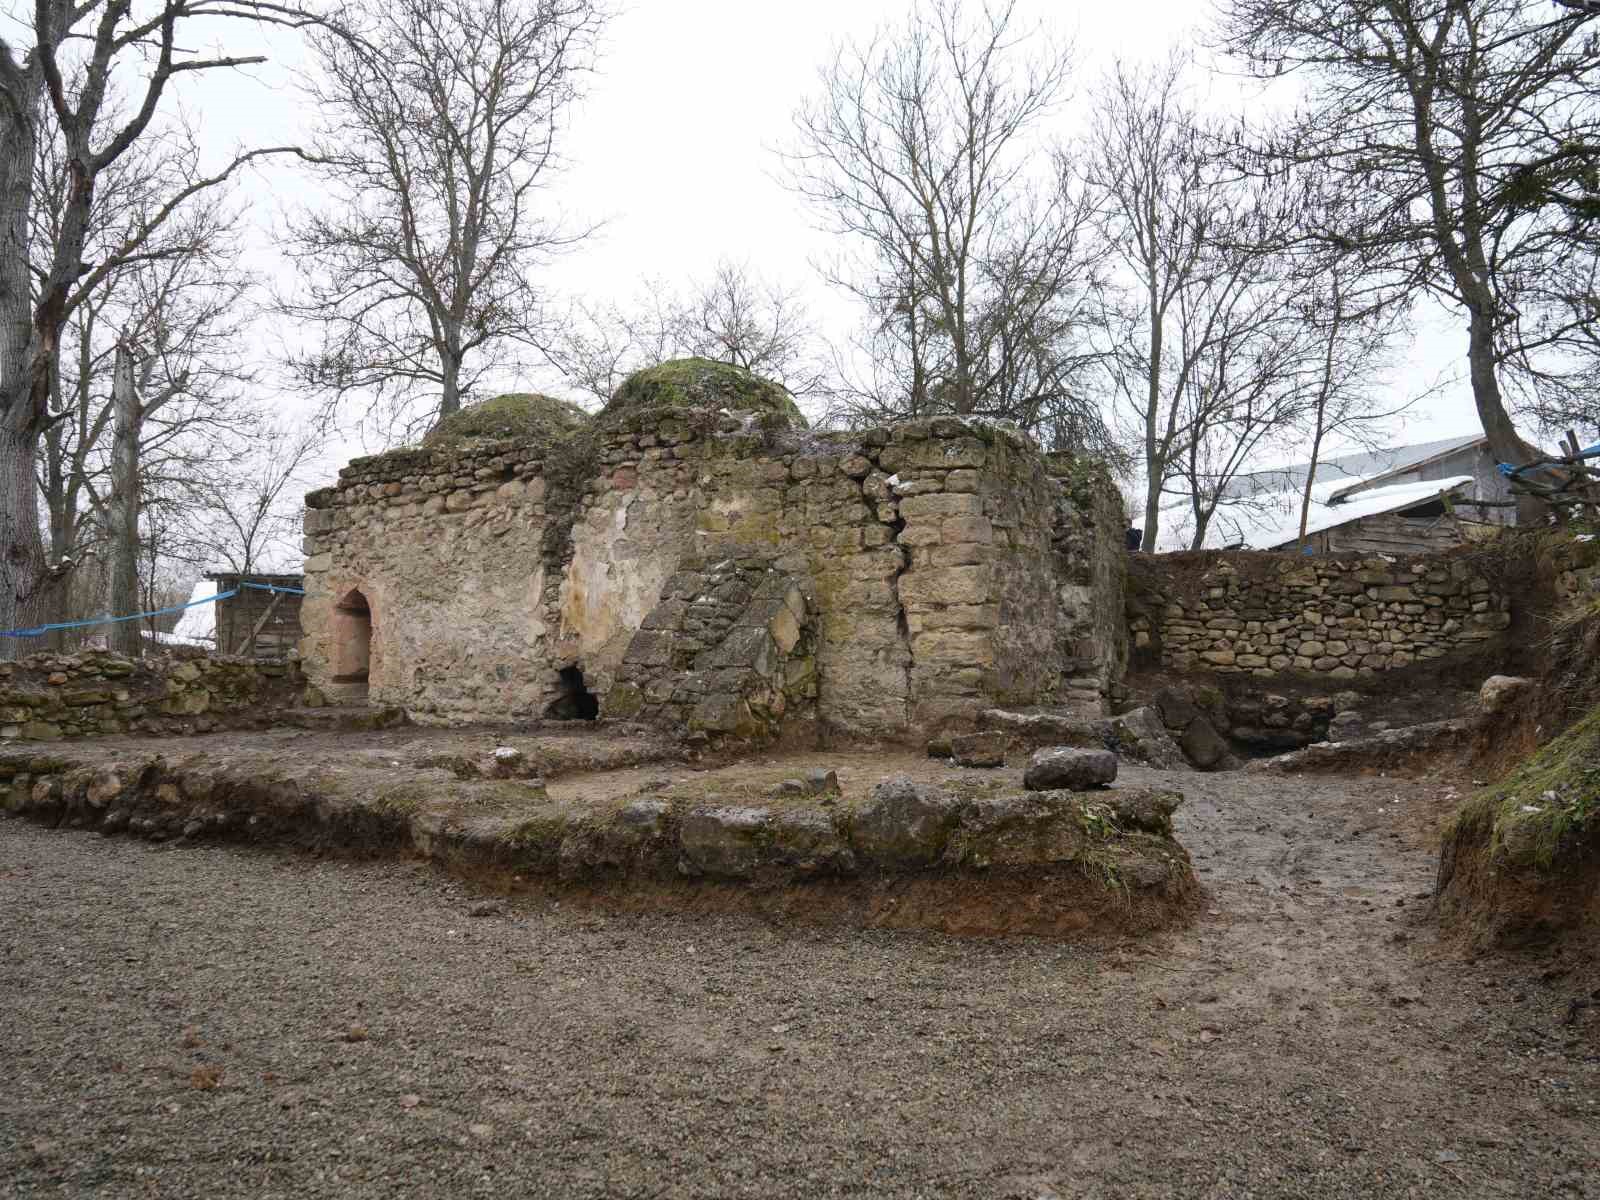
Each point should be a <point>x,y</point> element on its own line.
<point>1348,470</point>
<point>1324,516</point>
<point>1271,520</point>
<point>197,626</point>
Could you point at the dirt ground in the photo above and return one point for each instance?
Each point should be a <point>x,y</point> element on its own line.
<point>205,1021</point>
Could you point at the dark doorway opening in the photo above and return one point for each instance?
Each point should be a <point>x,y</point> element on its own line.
<point>576,702</point>
<point>352,649</point>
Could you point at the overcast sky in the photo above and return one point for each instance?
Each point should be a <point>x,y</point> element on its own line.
<point>673,146</point>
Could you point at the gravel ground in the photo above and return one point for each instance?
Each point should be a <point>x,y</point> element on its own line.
<point>212,1022</point>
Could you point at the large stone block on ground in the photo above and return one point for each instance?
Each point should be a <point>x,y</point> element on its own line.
<point>1146,809</point>
<point>1034,829</point>
<point>1142,735</point>
<point>985,749</point>
<point>725,843</point>
<point>1069,768</point>
<point>905,824</point>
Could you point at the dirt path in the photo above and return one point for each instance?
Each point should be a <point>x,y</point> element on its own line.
<point>1306,1037</point>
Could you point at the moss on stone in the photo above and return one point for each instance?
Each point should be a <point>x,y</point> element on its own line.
<point>701,383</point>
<point>1551,801</point>
<point>516,416</point>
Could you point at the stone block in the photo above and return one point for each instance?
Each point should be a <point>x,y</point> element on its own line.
<point>1069,768</point>
<point>942,504</point>
<point>724,843</point>
<point>949,585</point>
<point>984,749</point>
<point>904,825</point>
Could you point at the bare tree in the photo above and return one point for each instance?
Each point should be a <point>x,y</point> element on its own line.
<point>1472,128</point>
<point>919,151</point>
<point>1202,349</point>
<point>736,316</point>
<point>250,517</point>
<point>182,309</point>
<point>442,124</point>
<point>58,86</point>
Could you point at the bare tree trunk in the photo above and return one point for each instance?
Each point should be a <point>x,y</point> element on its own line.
<point>23,594</point>
<point>1505,443</point>
<point>124,507</point>
<point>1152,507</point>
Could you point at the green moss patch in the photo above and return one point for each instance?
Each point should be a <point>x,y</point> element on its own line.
<point>1549,803</point>
<point>517,416</point>
<point>700,383</point>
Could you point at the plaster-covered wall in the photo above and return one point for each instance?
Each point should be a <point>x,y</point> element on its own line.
<point>944,566</point>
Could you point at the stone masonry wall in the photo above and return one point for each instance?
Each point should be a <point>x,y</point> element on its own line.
<point>1268,614</point>
<point>945,566</point>
<point>95,694</point>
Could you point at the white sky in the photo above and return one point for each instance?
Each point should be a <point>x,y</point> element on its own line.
<point>673,147</point>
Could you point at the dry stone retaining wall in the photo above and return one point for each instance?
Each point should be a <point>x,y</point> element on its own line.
<point>945,566</point>
<point>94,694</point>
<point>1271,614</point>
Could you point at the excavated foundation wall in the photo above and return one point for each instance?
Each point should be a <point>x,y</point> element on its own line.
<point>702,570</point>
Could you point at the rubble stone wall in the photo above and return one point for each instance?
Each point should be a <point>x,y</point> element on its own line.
<point>944,566</point>
<point>45,697</point>
<point>1270,614</point>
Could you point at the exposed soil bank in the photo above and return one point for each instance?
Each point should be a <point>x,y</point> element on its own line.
<point>959,851</point>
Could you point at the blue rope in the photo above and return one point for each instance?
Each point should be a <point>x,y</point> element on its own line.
<point>159,612</point>
<point>270,587</point>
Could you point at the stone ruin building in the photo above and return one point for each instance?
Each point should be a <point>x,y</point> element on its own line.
<point>695,557</point>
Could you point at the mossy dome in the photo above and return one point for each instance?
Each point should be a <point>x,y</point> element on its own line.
<point>705,384</point>
<point>517,416</point>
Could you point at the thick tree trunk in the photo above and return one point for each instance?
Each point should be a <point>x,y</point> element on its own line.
<point>125,636</point>
<point>24,594</point>
<point>1505,443</point>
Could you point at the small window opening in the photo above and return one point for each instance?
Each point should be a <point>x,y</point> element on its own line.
<point>352,649</point>
<point>576,702</point>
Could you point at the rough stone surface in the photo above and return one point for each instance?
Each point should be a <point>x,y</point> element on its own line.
<point>905,825</point>
<point>46,697</point>
<point>1013,830</point>
<point>927,570</point>
<point>1148,809</point>
<point>984,749</point>
<point>1498,691</point>
<point>725,843</point>
<point>1069,768</point>
<point>1140,734</point>
<point>1247,612</point>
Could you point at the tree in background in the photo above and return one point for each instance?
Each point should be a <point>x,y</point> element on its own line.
<point>1197,339</point>
<point>1475,130</point>
<point>181,310</point>
<point>736,316</point>
<point>442,123</point>
<point>972,266</point>
<point>59,86</point>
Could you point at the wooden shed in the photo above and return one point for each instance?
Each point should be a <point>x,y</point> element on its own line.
<point>1404,519</point>
<point>262,618</point>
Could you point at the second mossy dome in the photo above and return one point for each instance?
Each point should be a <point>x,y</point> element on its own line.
<point>705,384</point>
<point>516,416</point>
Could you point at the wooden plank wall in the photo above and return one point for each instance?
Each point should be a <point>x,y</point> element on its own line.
<point>1391,534</point>
<point>237,616</point>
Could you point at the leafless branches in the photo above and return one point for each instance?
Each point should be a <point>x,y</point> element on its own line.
<point>442,125</point>
<point>971,265</point>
